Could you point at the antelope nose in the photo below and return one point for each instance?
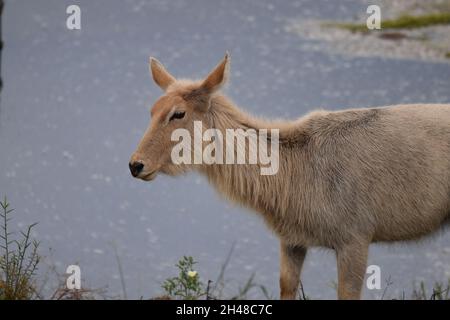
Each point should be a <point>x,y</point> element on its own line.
<point>136,168</point>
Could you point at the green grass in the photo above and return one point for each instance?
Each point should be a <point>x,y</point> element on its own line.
<point>440,291</point>
<point>402,22</point>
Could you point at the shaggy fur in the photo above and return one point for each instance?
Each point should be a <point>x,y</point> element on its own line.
<point>346,178</point>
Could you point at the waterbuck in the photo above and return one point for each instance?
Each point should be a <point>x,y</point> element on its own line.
<point>345,179</point>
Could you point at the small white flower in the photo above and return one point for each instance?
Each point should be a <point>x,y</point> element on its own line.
<point>192,274</point>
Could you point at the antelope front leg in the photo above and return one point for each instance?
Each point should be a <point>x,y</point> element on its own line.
<point>351,264</point>
<point>291,262</point>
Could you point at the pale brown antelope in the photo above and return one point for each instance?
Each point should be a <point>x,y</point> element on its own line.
<point>346,178</point>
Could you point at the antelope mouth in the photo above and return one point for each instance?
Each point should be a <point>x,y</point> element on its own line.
<point>149,176</point>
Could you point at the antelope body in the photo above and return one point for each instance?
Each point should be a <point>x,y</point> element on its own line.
<point>345,179</point>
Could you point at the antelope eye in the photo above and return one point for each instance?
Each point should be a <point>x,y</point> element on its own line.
<point>177,115</point>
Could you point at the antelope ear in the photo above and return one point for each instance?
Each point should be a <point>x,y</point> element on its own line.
<point>160,75</point>
<point>218,77</point>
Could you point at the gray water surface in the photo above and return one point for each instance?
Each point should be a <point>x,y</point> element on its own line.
<point>75,104</point>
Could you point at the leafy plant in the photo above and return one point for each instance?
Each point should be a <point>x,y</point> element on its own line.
<point>18,259</point>
<point>187,284</point>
